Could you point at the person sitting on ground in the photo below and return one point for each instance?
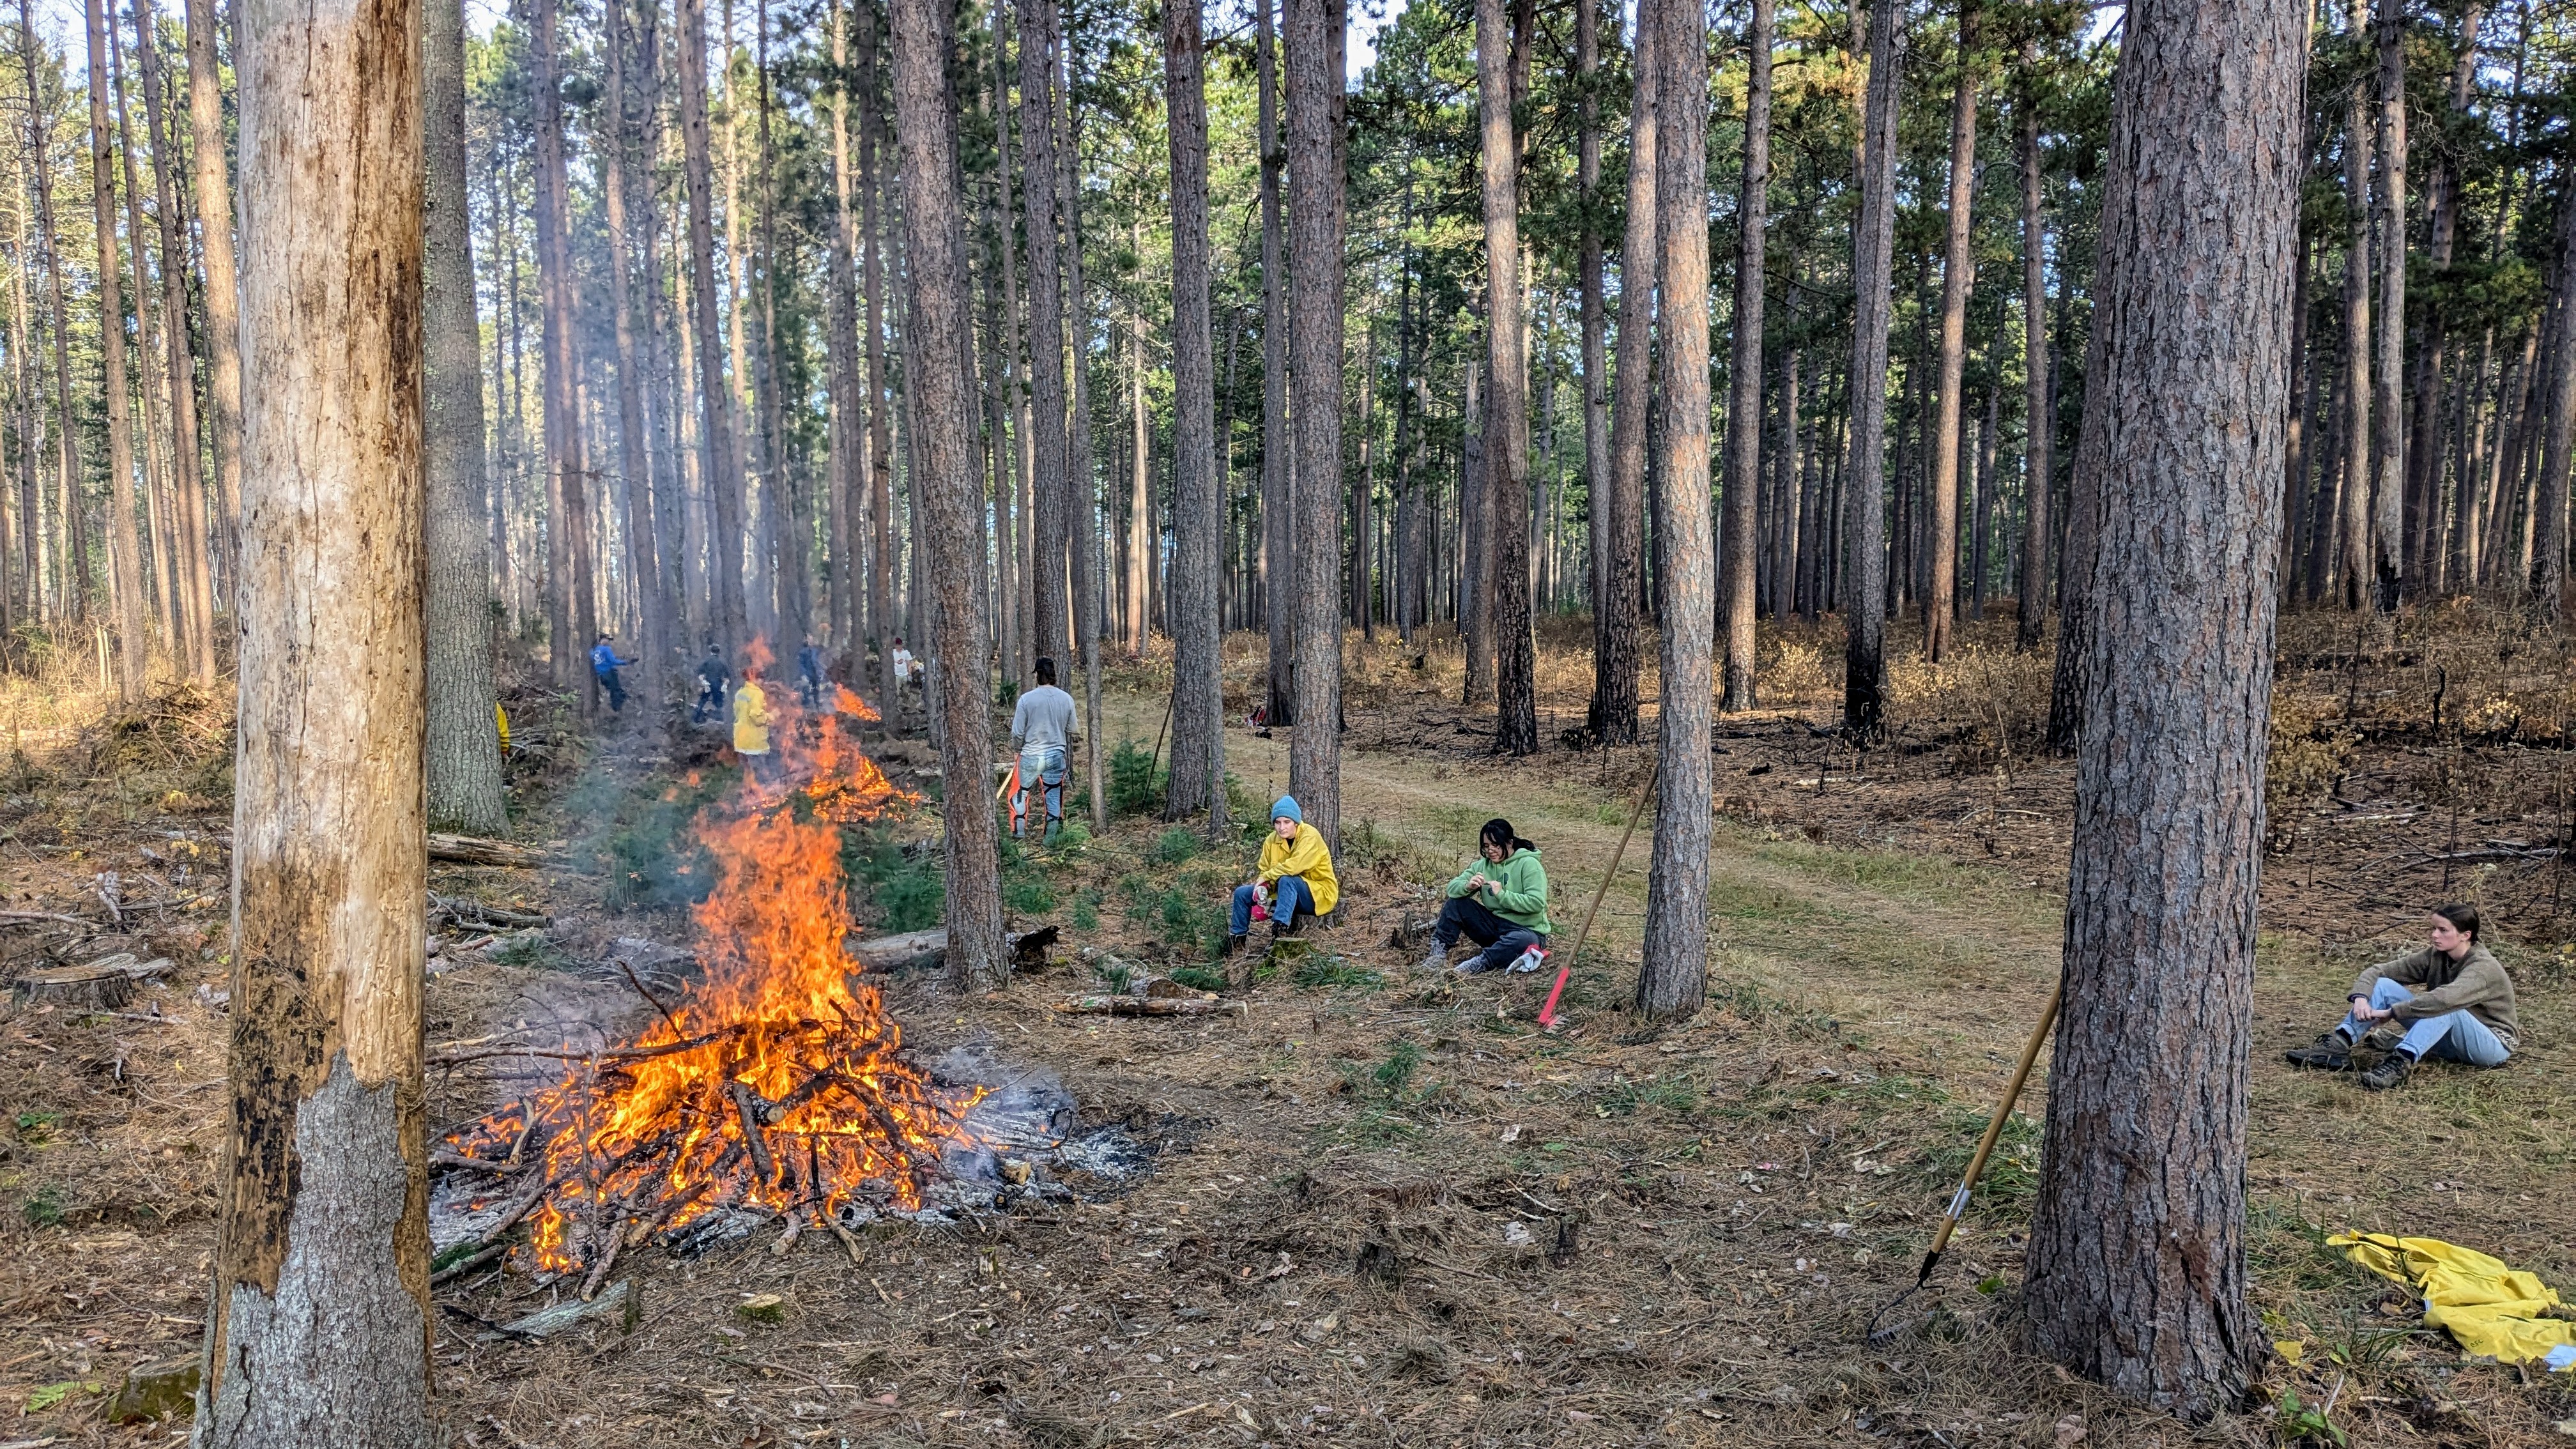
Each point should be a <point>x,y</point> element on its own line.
<point>713,677</point>
<point>751,724</point>
<point>810,674</point>
<point>1499,903</point>
<point>2450,1001</point>
<point>604,664</point>
<point>1043,727</point>
<point>1296,869</point>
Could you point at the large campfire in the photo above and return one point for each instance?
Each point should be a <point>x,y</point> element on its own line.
<point>771,1085</point>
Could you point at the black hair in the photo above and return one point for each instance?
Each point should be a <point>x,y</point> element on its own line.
<point>1498,831</point>
<point>1046,670</point>
<point>2463,918</point>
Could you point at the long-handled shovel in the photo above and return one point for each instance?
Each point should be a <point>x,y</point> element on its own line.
<point>1976,1166</point>
<point>1547,1013</point>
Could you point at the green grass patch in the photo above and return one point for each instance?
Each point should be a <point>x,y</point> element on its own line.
<point>1627,1099</point>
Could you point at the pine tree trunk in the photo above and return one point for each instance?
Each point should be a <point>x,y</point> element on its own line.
<point>1052,490</point>
<point>1737,569</point>
<point>941,404</point>
<point>1506,477</point>
<point>1958,276</point>
<point>1198,702</point>
<point>635,490</point>
<point>1314,36</point>
<point>2545,531</point>
<point>124,539</point>
<point>463,743</point>
<point>2388,452</point>
<point>1864,493</point>
<point>194,581</point>
<point>1672,979</point>
<point>168,612</point>
<point>1081,495</point>
<point>2354,566</point>
<point>2441,553</point>
<point>715,395</point>
<point>214,207</point>
<point>2137,1274</point>
<point>880,443</point>
<point>1594,320</point>
<point>320,1316</point>
<point>849,480</point>
<point>1987,428</point>
<point>2039,424</point>
<point>2294,447</point>
<point>572,610</point>
<point>74,580</point>
<point>1615,665</point>
<point>1278,523</point>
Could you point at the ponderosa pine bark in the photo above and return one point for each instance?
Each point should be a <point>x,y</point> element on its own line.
<point>2545,531</point>
<point>319,1320</point>
<point>2388,440</point>
<point>124,538</point>
<point>1864,589</point>
<point>1506,480</point>
<point>1052,490</point>
<point>1958,276</point>
<point>880,442</point>
<point>2353,567</point>
<point>2137,1272</point>
<point>214,206</point>
<point>1314,33</point>
<point>1594,322</point>
<point>463,758</point>
<point>2039,420</point>
<point>1198,704</point>
<point>1672,978</point>
<point>941,413</point>
<point>1738,569</point>
<point>1081,497</point>
<point>1278,523</point>
<point>1615,665</point>
<point>715,395</point>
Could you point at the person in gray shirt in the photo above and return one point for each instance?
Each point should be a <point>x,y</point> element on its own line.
<point>1043,728</point>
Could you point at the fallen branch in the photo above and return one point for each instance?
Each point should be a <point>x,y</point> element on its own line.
<point>617,1054</point>
<point>475,850</point>
<point>463,1266</point>
<point>441,1157</point>
<point>1151,1006</point>
<point>29,918</point>
<point>922,950</point>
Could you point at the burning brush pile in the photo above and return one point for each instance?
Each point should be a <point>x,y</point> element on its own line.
<point>771,1088</point>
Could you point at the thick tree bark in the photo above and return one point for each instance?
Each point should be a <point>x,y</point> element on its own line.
<point>941,401</point>
<point>2354,570</point>
<point>635,483</point>
<point>2388,441</point>
<point>1506,479</point>
<point>1053,488</point>
<point>1081,495</point>
<point>464,747</point>
<point>1615,666</point>
<point>124,539</point>
<point>1672,979</point>
<point>214,205</point>
<point>880,442</point>
<point>849,482</point>
<point>194,582</point>
<point>571,607</point>
<point>1198,702</point>
<point>2294,447</point>
<point>715,395</point>
<point>1987,428</point>
<point>1958,276</point>
<point>2137,1271</point>
<point>320,1319</point>
<point>2545,531</point>
<point>1737,569</point>
<point>1314,36</point>
<point>1278,523</point>
<point>2039,422</point>
<point>1864,494</point>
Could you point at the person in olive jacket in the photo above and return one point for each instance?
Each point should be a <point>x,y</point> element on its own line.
<point>2450,1001</point>
<point>1499,903</point>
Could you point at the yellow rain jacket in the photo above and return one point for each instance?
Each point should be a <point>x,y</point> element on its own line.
<point>2494,1311</point>
<point>750,720</point>
<point>1304,856</point>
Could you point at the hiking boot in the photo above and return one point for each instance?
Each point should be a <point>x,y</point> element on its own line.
<point>1055,827</point>
<point>1436,958</point>
<point>2389,1074</point>
<point>1234,945</point>
<point>1474,965</point>
<point>1280,930</point>
<point>2330,1052</point>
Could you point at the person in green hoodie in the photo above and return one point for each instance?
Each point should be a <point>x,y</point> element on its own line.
<point>1500,903</point>
<point>2450,1001</point>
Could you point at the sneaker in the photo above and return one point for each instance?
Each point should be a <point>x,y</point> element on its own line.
<point>2330,1052</point>
<point>1436,958</point>
<point>2389,1074</point>
<point>1474,965</point>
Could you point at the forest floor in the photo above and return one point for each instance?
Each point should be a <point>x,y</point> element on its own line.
<point>1383,1207</point>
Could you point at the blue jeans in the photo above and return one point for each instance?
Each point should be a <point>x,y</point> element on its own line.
<point>2453,1036</point>
<point>1287,897</point>
<point>614,688</point>
<point>1049,777</point>
<point>1503,940</point>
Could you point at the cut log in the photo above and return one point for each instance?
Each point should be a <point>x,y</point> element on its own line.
<point>927,950</point>
<point>475,850</point>
<point>453,912</point>
<point>621,1304</point>
<point>104,985</point>
<point>1195,1005</point>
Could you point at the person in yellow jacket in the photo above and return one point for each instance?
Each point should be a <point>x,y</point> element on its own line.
<point>1295,875</point>
<point>751,724</point>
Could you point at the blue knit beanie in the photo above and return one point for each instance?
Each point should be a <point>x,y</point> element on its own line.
<point>1288,806</point>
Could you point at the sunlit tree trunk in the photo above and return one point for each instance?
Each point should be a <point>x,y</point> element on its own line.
<point>2545,529</point>
<point>1081,494</point>
<point>1506,477</point>
<point>2354,566</point>
<point>1052,489</point>
<point>1737,569</point>
<point>124,538</point>
<point>1864,592</point>
<point>1593,319</point>
<point>319,1322</point>
<point>1958,276</point>
<point>193,579</point>
<point>2039,422</point>
<point>880,445</point>
<point>2136,1265</point>
<point>168,613</point>
<point>635,490</point>
<point>848,491</point>
<point>1673,977</point>
<point>2388,441</point>
<point>1621,509</point>
<point>75,581</point>
<point>1314,36</point>
<point>724,458</point>
<point>1198,703</point>
<point>214,207</point>
<point>940,393</point>
<point>572,609</point>
<point>1278,524</point>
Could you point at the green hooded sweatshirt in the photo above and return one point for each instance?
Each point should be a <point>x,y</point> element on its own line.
<point>1515,890</point>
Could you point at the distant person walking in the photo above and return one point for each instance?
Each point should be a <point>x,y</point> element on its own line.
<point>1043,727</point>
<point>1294,876</point>
<point>810,674</point>
<point>604,664</point>
<point>1500,904</point>
<point>751,726</point>
<point>714,676</point>
<point>902,666</point>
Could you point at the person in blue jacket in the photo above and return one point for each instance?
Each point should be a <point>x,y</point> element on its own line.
<point>604,663</point>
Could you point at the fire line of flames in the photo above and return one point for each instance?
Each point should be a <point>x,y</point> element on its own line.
<point>775,1081</point>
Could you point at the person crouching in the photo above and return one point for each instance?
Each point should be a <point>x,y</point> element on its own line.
<point>1500,904</point>
<point>2450,1001</point>
<point>1296,868</point>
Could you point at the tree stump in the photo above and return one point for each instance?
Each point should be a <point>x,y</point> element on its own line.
<point>106,984</point>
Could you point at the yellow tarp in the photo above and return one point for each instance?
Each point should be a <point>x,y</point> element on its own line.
<point>2494,1311</point>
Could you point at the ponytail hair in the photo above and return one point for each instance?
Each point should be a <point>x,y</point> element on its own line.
<point>1498,831</point>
